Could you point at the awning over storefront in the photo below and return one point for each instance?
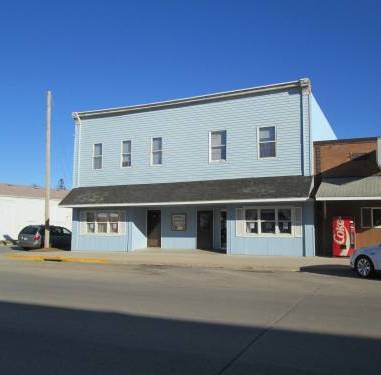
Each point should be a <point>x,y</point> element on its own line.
<point>243,190</point>
<point>350,188</point>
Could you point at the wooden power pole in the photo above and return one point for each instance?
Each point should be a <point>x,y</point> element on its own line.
<point>47,168</point>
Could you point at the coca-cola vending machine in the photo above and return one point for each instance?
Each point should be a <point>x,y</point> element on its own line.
<point>343,236</point>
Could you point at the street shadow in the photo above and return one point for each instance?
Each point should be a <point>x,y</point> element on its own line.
<point>52,340</point>
<point>332,270</point>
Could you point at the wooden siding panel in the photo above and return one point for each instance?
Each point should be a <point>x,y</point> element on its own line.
<point>185,132</point>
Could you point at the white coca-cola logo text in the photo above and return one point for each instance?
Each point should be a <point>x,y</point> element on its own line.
<point>339,233</point>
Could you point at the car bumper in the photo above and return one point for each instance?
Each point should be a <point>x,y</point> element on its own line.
<point>29,245</point>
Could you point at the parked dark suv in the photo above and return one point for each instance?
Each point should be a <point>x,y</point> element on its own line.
<point>32,237</point>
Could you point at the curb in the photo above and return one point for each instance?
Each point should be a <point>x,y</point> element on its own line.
<point>47,258</point>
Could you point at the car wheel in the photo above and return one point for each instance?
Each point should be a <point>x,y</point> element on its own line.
<point>364,267</point>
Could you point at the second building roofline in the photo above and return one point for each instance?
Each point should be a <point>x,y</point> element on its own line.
<point>225,95</point>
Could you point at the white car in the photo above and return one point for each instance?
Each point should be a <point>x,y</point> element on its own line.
<point>366,260</point>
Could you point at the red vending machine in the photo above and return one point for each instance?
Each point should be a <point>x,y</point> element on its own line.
<point>343,236</point>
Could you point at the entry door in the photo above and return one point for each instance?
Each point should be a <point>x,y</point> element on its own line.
<point>153,228</point>
<point>223,229</point>
<point>205,229</point>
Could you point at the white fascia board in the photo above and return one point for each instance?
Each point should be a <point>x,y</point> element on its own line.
<point>348,198</point>
<point>190,203</point>
<point>303,82</point>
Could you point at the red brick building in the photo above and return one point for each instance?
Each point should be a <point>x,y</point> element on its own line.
<point>348,181</point>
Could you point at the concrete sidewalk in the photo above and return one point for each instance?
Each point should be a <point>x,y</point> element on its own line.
<point>183,258</point>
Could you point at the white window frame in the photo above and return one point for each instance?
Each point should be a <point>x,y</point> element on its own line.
<point>108,232</point>
<point>259,221</point>
<point>274,141</point>
<point>371,217</point>
<point>126,153</point>
<point>210,146</point>
<point>161,150</point>
<point>97,156</point>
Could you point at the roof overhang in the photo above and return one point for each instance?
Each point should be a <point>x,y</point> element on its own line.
<point>226,95</point>
<point>189,203</point>
<point>349,189</point>
<point>216,192</point>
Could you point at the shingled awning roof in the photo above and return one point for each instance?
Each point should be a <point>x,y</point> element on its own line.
<point>285,188</point>
<point>350,188</point>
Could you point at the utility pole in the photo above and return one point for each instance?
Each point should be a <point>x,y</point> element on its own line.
<point>47,168</point>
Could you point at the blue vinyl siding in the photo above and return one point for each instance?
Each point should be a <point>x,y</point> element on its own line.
<point>135,234</point>
<point>321,128</point>
<point>185,132</point>
<point>275,246</point>
<point>178,239</point>
<point>138,229</point>
<point>91,242</point>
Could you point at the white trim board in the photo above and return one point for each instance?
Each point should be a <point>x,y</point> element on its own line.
<point>348,198</point>
<point>189,202</point>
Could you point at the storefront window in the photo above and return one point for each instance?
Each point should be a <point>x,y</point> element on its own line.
<point>102,222</point>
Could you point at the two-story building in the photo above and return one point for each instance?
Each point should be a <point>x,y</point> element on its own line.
<point>229,171</point>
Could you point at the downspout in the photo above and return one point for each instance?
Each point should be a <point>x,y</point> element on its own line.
<point>77,146</point>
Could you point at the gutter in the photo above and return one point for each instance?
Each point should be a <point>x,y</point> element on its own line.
<point>301,83</point>
<point>226,201</point>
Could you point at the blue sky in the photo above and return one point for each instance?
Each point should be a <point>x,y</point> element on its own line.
<point>99,54</point>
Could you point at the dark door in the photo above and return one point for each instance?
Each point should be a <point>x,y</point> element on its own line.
<point>153,228</point>
<point>205,229</point>
<point>223,229</point>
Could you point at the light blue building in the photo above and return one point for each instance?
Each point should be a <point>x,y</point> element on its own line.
<point>230,171</point>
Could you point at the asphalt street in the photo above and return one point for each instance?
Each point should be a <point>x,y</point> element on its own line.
<point>65,318</point>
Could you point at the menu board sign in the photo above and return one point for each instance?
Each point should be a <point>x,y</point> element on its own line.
<point>179,222</point>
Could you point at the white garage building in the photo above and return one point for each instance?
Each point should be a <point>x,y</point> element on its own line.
<point>24,205</point>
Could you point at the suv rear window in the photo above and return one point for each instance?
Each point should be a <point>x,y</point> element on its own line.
<point>31,229</point>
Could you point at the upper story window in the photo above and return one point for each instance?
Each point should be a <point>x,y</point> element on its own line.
<point>157,151</point>
<point>217,146</point>
<point>97,156</point>
<point>267,142</point>
<point>371,217</point>
<point>126,154</point>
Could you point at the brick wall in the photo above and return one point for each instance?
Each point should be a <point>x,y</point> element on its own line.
<point>349,158</point>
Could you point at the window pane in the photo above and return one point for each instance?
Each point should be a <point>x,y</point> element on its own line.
<point>126,161</point>
<point>267,150</point>
<point>268,227</point>
<point>156,158</point>
<point>90,216</point>
<point>101,216</point>
<point>377,217</point>
<point>114,227</point>
<point>267,134</point>
<point>98,162</point>
<point>284,227</point>
<point>156,144</point>
<point>218,138</point>
<point>90,227</point>
<point>126,148</point>
<point>366,217</point>
<point>102,227</point>
<point>114,217</point>
<point>219,153</point>
<point>251,227</point>
<point>268,214</point>
<point>251,214</point>
<point>284,214</point>
<point>98,149</point>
